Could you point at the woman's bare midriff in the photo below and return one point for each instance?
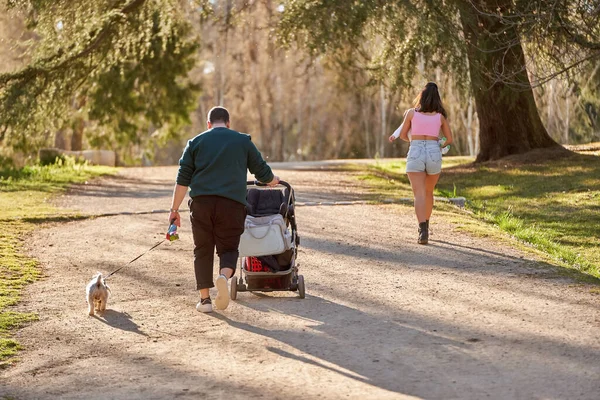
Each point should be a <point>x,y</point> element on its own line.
<point>423,137</point>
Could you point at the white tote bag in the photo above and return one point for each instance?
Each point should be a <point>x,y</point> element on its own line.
<point>264,236</point>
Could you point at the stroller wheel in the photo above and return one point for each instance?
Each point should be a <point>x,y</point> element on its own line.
<point>301,288</point>
<point>233,291</point>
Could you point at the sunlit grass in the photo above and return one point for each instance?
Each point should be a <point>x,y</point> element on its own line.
<point>48,178</point>
<point>491,191</point>
<point>553,206</point>
<point>24,197</point>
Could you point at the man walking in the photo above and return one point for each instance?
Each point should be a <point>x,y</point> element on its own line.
<point>214,165</point>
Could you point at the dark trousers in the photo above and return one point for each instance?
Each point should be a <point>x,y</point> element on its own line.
<point>216,222</point>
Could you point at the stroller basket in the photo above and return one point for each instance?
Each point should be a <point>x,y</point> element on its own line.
<point>260,276</point>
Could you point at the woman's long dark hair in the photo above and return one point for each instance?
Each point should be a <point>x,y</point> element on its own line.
<point>429,100</point>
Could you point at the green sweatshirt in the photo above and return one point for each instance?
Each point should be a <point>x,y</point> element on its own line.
<point>216,162</point>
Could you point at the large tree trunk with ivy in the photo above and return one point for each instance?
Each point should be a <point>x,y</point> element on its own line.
<point>508,117</point>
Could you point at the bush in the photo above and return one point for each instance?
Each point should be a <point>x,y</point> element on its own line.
<point>6,162</point>
<point>50,156</point>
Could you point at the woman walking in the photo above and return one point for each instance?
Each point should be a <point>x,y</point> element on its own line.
<point>424,158</point>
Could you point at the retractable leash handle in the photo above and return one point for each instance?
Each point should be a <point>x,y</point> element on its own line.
<point>172,234</point>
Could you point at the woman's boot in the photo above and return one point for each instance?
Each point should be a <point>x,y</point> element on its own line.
<point>423,233</point>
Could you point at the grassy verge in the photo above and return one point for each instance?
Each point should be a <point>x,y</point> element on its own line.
<point>552,205</point>
<point>24,195</point>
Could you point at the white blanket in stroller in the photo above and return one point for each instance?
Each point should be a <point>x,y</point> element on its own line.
<point>264,236</point>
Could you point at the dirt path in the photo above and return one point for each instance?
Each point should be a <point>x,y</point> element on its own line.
<point>461,318</point>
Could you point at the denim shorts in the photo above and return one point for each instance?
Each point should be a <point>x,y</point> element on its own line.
<point>424,156</point>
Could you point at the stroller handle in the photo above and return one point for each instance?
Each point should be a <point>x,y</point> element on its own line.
<point>257,183</point>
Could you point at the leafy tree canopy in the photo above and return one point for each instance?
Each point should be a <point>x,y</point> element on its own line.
<point>123,64</point>
<point>558,34</point>
<point>502,44</point>
<point>399,34</point>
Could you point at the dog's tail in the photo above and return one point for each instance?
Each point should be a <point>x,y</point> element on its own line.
<point>99,280</point>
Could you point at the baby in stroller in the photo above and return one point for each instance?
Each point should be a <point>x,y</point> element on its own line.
<point>269,244</point>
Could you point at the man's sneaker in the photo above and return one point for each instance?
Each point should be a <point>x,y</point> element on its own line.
<point>222,299</point>
<point>205,305</point>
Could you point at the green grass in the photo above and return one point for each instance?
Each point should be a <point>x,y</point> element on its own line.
<point>24,203</point>
<point>552,206</point>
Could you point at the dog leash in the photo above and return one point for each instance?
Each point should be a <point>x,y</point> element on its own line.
<point>120,268</point>
<point>171,235</point>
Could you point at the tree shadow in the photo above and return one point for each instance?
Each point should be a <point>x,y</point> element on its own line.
<point>408,353</point>
<point>577,180</point>
<point>377,354</point>
<point>451,256</point>
<point>43,219</point>
<point>130,188</point>
<point>572,273</point>
<point>147,377</point>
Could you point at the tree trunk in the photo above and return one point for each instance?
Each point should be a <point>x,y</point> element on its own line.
<point>60,139</point>
<point>365,106</point>
<point>551,114</point>
<point>223,57</point>
<point>568,118</point>
<point>467,118</point>
<point>77,137</point>
<point>383,105</point>
<point>509,121</point>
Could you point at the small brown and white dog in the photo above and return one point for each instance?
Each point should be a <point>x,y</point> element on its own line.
<point>97,294</point>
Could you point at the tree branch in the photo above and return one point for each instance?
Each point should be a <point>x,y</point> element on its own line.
<point>35,70</point>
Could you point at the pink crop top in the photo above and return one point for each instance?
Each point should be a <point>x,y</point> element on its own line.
<point>426,125</point>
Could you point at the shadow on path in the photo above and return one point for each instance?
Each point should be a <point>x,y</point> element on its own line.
<point>446,256</point>
<point>406,353</point>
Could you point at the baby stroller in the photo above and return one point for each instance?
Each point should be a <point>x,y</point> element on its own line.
<point>269,244</point>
